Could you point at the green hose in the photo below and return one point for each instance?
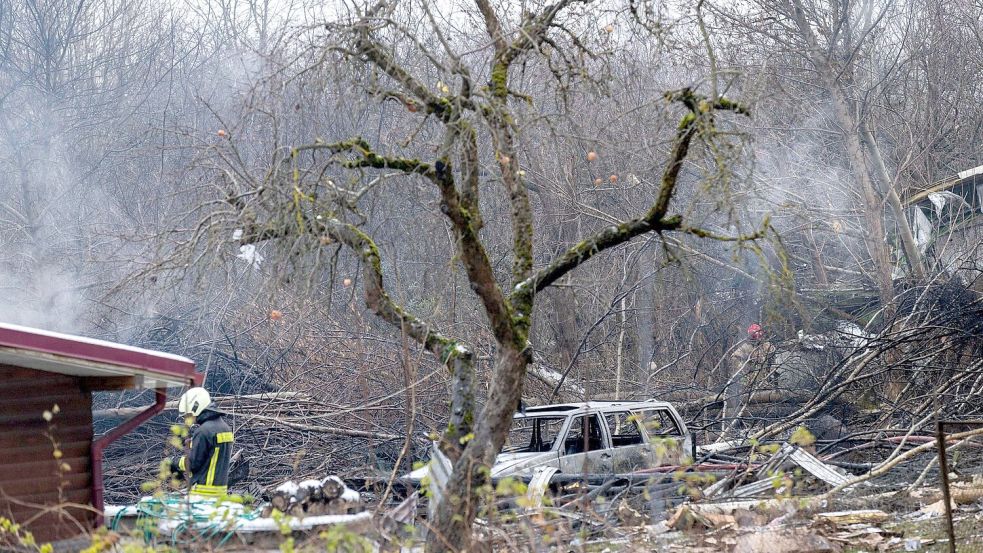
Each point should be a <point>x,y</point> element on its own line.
<point>211,518</point>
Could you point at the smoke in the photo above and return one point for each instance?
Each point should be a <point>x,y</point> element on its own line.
<point>96,143</point>
<point>45,214</point>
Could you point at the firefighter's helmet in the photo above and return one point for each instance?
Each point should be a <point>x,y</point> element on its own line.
<point>194,401</point>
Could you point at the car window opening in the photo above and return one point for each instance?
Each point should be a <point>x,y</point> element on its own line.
<point>658,422</point>
<point>583,435</point>
<point>533,434</point>
<point>623,427</point>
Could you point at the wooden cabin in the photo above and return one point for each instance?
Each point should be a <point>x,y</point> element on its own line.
<point>46,407</point>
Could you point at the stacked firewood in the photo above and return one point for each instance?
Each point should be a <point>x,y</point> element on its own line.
<point>329,496</point>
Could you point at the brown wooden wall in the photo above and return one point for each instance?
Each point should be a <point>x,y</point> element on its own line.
<point>29,472</point>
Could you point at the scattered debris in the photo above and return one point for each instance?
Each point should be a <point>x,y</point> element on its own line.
<point>770,478</point>
<point>843,518</point>
<point>934,509</point>
<point>796,540</point>
<point>814,466</point>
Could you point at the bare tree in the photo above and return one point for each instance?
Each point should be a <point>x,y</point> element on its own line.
<point>294,204</point>
<point>852,51</point>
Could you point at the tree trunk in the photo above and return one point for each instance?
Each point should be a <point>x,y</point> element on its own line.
<point>451,529</point>
<point>563,316</point>
<point>874,235</point>
<point>461,420</point>
<point>846,117</point>
<point>645,316</point>
<point>912,254</point>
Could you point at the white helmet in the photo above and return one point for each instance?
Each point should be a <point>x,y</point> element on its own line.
<point>194,401</point>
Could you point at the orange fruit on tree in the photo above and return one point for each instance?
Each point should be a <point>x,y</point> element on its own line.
<point>591,155</point>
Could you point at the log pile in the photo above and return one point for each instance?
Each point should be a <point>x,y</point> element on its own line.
<point>329,496</point>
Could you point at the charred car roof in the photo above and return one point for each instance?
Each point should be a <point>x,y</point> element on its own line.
<point>564,409</point>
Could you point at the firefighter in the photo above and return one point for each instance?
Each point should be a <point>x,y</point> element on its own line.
<point>207,466</point>
<point>749,357</point>
<point>755,349</point>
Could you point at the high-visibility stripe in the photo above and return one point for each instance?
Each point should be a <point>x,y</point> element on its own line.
<point>224,437</point>
<point>210,477</point>
<point>182,464</point>
<point>213,491</point>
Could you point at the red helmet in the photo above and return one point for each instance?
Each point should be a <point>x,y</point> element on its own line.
<point>755,332</point>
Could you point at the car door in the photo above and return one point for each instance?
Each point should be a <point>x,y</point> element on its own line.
<point>630,450</point>
<point>664,436</point>
<point>585,447</point>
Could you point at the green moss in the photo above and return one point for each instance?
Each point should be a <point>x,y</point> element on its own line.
<point>672,221</point>
<point>687,120</point>
<point>520,313</point>
<point>724,103</point>
<point>372,159</point>
<point>448,350</point>
<point>500,79</point>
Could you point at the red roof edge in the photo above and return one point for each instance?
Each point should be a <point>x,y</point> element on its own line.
<point>98,351</point>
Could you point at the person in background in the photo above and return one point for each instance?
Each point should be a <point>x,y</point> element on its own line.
<point>207,466</point>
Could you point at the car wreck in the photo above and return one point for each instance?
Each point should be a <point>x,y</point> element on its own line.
<point>594,437</point>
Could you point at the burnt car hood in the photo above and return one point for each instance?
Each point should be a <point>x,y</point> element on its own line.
<point>507,464</point>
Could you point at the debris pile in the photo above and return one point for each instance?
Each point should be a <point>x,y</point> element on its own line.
<point>773,477</point>
<point>794,501</point>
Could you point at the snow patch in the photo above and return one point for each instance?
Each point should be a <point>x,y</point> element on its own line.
<point>334,479</point>
<point>306,523</point>
<point>309,484</point>
<point>94,342</point>
<point>288,488</point>
<point>811,341</point>
<point>248,253</point>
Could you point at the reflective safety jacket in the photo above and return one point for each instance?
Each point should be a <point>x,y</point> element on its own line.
<point>211,453</point>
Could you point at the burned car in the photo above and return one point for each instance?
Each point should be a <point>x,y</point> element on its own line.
<point>595,437</point>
